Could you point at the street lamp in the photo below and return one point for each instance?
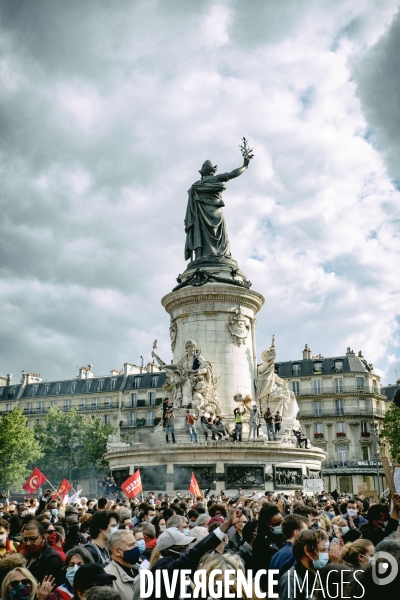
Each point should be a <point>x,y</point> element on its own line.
<point>375,435</point>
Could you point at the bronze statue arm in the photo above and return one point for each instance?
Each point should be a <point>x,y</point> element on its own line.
<point>235,172</point>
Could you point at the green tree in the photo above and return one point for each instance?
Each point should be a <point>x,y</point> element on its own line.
<point>19,449</point>
<point>391,431</point>
<point>73,444</point>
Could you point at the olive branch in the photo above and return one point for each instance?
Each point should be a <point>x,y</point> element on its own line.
<point>245,150</point>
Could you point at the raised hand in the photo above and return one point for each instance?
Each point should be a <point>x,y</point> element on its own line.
<point>45,587</point>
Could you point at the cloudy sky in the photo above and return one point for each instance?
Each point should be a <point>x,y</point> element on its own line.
<point>108,110</point>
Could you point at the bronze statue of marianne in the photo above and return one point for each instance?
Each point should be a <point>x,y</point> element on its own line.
<point>205,227</point>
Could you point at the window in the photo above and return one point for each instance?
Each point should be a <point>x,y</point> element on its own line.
<point>296,370</point>
<point>317,386</point>
<point>11,393</point>
<point>134,399</point>
<point>364,427</point>
<point>107,419</point>
<point>375,386</point>
<point>339,407</point>
<point>95,403</point>
<point>152,398</point>
<point>8,407</point>
<point>46,389</point>
<point>342,454</point>
<point>34,390</point>
<point>317,409</point>
<point>296,387</point>
<point>83,403</point>
<point>340,428</point>
<point>360,383</point>
<point>57,388</point>
<point>29,407</point>
<point>154,381</point>
<point>132,419</point>
<point>88,385</point>
<point>100,385</point>
<point>41,406</point>
<point>362,405</point>
<point>317,367</point>
<point>339,386</point>
<point>150,418</point>
<point>67,405</point>
<point>108,401</point>
<point>72,387</point>
<point>365,453</point>
<point>52,403</point>
<point>318,428</point>
<point>338,366</point>
<point>136,382</point>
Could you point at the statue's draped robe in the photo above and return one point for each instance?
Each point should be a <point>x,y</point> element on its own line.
<point>204,222</point>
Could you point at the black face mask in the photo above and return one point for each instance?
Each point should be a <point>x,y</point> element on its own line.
<point>314,526</point>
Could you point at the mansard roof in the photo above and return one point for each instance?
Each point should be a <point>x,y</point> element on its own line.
<point>351,364</point>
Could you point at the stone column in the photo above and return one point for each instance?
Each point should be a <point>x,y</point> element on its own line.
<point>220,319</point>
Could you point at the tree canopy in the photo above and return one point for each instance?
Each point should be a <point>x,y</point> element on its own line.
<point>391,431</point>
<point>73,444</point>
<point>19,448</point>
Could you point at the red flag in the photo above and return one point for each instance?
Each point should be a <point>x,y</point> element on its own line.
<point>62,490</point>
<point>34,481</point>
<point>133,485</point>
<point>194,486</point>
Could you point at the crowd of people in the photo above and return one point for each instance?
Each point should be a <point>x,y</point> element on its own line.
<point>96,548</point>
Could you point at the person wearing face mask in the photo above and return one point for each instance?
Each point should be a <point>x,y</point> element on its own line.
<point>6,545</point>
<point>311,555</point>
<point>75,558</point>
<point>102,525</point>
<point>358,554</point>
<point>19,584</point>
<point>380,523</point>
<point>148,514</point>
<point>140,543</point>
<point>291,526</point>
<point>269,539</point>
<point>352,517</point>
<point>41,560</point>
<point>125,554</point>
<point>173,545</point>
<point>149,535</point>
<point>52,538</point>
<point>235,538</point>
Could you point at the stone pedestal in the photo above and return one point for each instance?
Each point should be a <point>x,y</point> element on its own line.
<point>220,318</point>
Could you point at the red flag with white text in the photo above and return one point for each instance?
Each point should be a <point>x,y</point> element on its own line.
<point>62,490</point>
<point>194,486</point>
<point>133,485</point>
<point>34,481</point>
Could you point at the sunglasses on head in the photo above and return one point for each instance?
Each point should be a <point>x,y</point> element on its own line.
<point>16,582</point>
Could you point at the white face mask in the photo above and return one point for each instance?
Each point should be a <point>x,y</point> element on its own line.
<point>369,558</point>
<point>150,519</point>
<point>3,537</point>
<point>112,530</point>
<point>352,512</point>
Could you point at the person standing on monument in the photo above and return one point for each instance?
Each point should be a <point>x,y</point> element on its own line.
<point>269,419</point>
<point>277,422</point>
<point>191,425</point>
<point>205,227</point>
<point>238,414</point>
<point>254,423</point>
<point>169,425</point>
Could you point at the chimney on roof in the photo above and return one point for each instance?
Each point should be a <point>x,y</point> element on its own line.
<point>307,354</point>
<point>349,352</point>
<point>86,372</point>
<point>360,354</point>
<point>150,367</point>
<point>9,378</point>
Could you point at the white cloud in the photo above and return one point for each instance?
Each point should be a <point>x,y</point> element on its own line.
<point>102,139</point>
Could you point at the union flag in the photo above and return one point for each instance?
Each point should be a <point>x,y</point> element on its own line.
<point>194,486</point>
<point>34,481</point>
<point>133,485</point>
<point>62,490</point>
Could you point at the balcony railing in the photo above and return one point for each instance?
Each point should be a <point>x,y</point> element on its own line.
<point>346,411</point>
<point>141,423</point>
<point>351,389</point>
<point>142,404</point>
<point>102,406</point>
<point>334,464</point>
<point>35,411</point>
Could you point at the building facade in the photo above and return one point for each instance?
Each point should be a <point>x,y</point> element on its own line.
<point>342,407</point>
<point>126,399</point>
